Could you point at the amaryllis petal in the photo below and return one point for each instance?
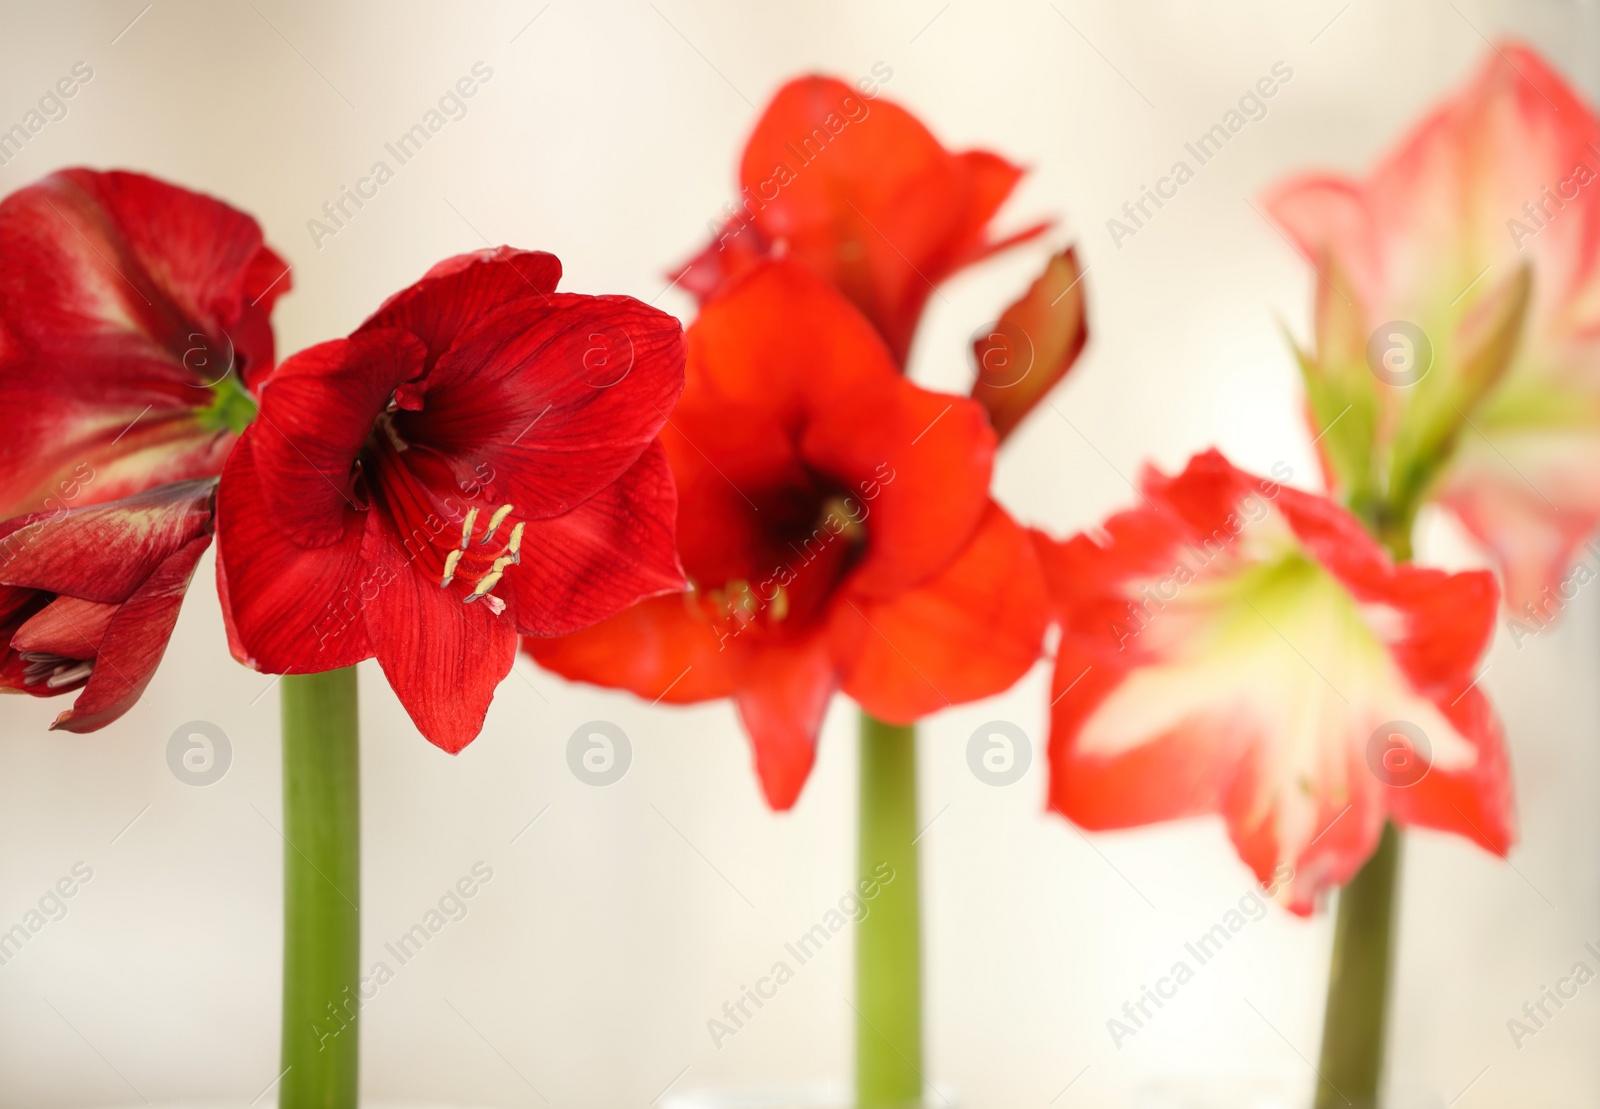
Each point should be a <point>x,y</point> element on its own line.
<point>546,404</point>
<point>857,189</point>
<point>89,596</point>
<point>1241,647</point>
<point>457,292</point>
<point>968,632</point>
<point>782,696</point>
<point>660,649</point>
<point>1033,344</point>
<point>1495,408</point>
<point>324,402</point>
<point>604,555</point>
<point>135,321</point>
<point>443,658</point>
<point>289,609</point>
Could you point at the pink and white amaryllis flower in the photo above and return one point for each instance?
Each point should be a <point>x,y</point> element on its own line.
<point>89,596</point>
<point>1458,318</point>
<point>1236,646</point>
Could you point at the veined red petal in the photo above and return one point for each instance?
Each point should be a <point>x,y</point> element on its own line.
<point>546,405</point>
<point>105,552</point>
<point>590,563</point>
<point>458,292</point>
<point>316,412</point>
<point>122,300</point>
<point>289,609</point>
<point>442,657</point>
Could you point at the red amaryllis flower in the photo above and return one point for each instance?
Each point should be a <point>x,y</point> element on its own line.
<point>1240,647</point>
<point>133,323</point>
<point>478,459</point>
<point>837,528</point>
<point>1458,376</point>
<point>859,190</point>
<point>89,596</point>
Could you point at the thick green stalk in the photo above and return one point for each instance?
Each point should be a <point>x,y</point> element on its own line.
<point>321,891</point>
<point>889,937</point>
<point>1356,1019</point>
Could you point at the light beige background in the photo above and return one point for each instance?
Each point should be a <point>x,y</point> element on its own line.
<point>619,923</point>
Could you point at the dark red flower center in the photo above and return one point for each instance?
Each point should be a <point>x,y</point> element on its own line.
<point>449,541</point>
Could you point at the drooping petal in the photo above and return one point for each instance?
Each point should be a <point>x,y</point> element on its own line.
<point>602,556</point>
<point>968,632</point>
<point>1240,647</point>
<point>1033,345</point>
<point>134,641</point>
<point>861,192</point>
<point>105,552</point>
<point>67,626</point>
<point>289,609</point>
<point>123,300</point>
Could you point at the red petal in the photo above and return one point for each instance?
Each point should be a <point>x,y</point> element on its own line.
<point>458,292</point>
<point>134,641</point>
<point>316,412</point>
<point>1034,344</point>
<point>614,549</point>
<point>861,192</point>
<point>443,658</point>
<point>106,552</point>
<point>660,649</point>
<point>970,631</point>
<point>290,609</point>
<point>67,626</point>
<point>121,299</point>
<point>784,690</point>
<point>549,405</point>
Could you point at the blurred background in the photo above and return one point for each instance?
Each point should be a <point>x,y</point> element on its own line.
<point>618,919</point>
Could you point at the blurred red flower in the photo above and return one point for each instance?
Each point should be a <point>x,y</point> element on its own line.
<point>1236,646</point>
<point>837,530</point>
<point>859,190</point>
<point>478,459</point>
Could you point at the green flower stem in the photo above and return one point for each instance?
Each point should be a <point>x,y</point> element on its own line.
<point>889,938</point>
<point>1356,1020</point>
<point>1357,1016</point>
<point>321,891</point>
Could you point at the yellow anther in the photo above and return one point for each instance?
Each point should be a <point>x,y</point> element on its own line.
<point>514,547</point>
<point>495,521</point>
<point>780,604</point>
<point>450,561</point>
<point>466,527</point>
<point>486,583</point>
<point>501,563</point>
